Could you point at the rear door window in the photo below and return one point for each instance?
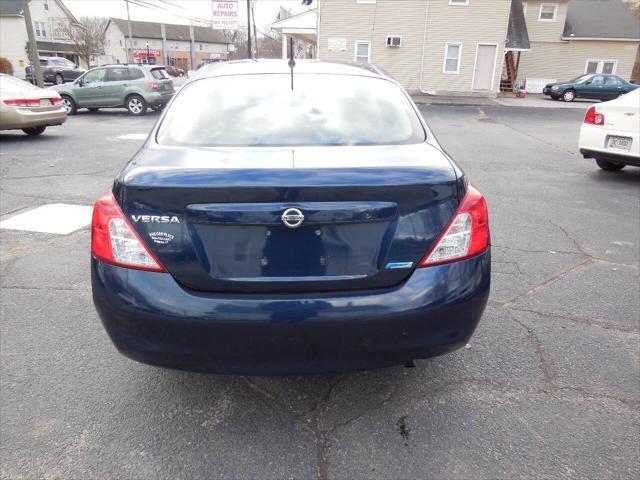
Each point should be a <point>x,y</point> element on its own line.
<point>263,110</point>
<point>160,74</point>
<point>135,74</point>
<point>117,74</point>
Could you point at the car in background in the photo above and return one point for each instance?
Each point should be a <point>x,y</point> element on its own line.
<point>25,107</point>
<point>611,133</point>
<point>290,222</point>
<point>135,87</point>
<point>56,70</point>
<point>596,86</point>
<point>174,71</point>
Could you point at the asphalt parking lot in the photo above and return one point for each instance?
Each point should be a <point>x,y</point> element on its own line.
<point>549,386</point>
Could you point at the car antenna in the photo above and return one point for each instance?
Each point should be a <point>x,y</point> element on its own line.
<point>292,62</point>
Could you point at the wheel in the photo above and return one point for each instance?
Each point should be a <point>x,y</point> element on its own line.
<point>569,96</point>
<point>93,109</point>
<point>136,105</point>
<point>59,79</point>
<point>157,108</point>
<point>69,105</point>
<point>34,130</point>
<point>610,166</point>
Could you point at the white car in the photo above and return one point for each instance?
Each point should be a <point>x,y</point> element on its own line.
<point>611,132</point>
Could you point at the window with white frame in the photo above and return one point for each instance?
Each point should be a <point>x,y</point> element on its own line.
<point>458,2</point>
<point>40,29</point>
<point>46,5</point>
<point>452,54</point>
<point>601,66</point>
<point>363,52</point>
<point>548,12</point>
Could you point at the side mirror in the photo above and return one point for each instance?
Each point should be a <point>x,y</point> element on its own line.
<point>588,82</point>
<point>75,65</point>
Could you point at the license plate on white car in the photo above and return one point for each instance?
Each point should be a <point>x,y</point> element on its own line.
<point>619,143</point>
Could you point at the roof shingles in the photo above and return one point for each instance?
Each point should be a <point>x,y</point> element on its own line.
<point>173,31</point>
<point>610,19</point>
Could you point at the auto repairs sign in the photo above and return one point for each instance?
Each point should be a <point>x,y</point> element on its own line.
<point>225,15</point>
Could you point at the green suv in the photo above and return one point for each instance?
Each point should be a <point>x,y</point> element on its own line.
<point>135,87</point>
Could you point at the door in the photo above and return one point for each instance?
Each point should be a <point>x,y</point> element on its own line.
<point>485,67</point>
<point>89,91</point>
<point>612,87</point>
<point>115,85</point>
<point>592,88</point>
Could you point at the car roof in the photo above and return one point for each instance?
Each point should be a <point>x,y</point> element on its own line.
<point>270,66</point>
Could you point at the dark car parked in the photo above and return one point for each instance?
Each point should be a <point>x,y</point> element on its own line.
<point>280,222</point>
<point>56,70</point>
<point>596,86</point>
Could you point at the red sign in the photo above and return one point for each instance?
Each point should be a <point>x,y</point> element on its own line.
<point>143,52</point>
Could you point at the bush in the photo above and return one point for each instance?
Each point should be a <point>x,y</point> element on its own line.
<point>5,66</point>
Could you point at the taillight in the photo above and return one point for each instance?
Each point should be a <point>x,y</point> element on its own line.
<point>114,241</point>
<point>152,85</point>
<point>56,101</point>
<point>593,118</point>
<point>23,102</point>
<point>466,235</point>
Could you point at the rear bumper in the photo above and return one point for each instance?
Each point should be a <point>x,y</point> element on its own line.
<point>15,118</point>
<point>159,98</point>
<point>152,319</point>
<point>593,141</point>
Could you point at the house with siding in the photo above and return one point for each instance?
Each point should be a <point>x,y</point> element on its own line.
<point>571,38</point>
<point>429,46</point>
<point>478,47</point>
<point>49,17</point>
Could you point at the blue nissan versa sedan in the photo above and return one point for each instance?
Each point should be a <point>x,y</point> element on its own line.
<point>283,220</point>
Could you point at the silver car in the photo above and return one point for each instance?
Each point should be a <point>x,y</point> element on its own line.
<point>28,108</point>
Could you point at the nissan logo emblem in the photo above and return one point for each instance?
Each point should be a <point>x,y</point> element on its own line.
<point>292,217</point>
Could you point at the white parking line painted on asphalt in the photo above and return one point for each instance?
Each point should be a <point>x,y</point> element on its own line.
<point>133,136</point>
<point>59,218</point>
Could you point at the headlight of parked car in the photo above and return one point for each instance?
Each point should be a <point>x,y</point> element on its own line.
<point>555,87</point>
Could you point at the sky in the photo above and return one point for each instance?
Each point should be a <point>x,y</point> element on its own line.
<point>265,10</point>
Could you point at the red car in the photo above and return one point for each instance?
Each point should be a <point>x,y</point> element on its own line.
<point>174,71</point>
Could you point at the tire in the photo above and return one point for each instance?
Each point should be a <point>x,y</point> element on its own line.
<point>610,166</point>
<point>59,79</point>
<point>93,109</point>
<point>33,131</point>
<point>157,108</point>
<point>136,105</point>
<point>569,95</point>
<point>69,105</point>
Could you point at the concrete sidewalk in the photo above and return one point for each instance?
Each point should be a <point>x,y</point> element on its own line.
<point>530,101</point>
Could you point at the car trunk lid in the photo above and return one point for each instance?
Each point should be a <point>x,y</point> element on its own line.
<point>214,217</point>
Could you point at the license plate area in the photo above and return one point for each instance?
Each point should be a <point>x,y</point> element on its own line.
<point>619,143</point>
<point>45,102</point>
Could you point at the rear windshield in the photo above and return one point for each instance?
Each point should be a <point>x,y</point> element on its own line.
<point>159,74</point>
<point>263,110</point>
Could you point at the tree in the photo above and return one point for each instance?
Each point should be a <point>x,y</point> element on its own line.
<point>88,36</point>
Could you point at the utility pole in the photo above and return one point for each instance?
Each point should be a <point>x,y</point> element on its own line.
<point>130,49</point>
<point>255,32</point>
<point>33,47</point>
<point>249,51</point>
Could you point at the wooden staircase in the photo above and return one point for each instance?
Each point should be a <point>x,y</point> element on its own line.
<point>509,72</point>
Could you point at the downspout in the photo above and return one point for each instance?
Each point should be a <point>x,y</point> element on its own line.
<point>424,46</point>
<point>318,30</point>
